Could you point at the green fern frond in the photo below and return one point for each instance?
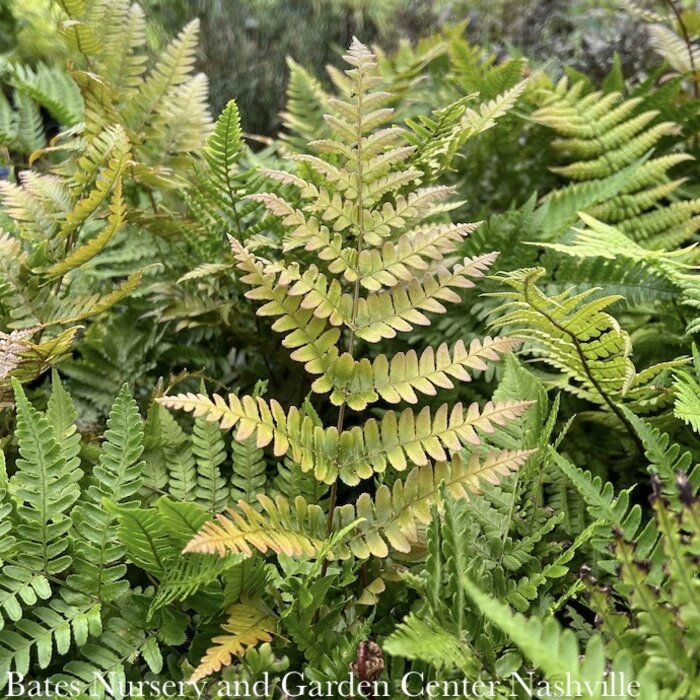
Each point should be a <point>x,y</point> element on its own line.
<point>249,466</point>
<point>553,650</point>
<point>603,135</point>
<point>306,104</point>
<point>438,138</point>
<point>571,332</point>
<point>210,452</point>
<point>687,406</point>
<point>424,640</point>
<point>117,477</point>
<point>600,498</point>
<point>291,481</point>
<point>6,512</point>
<point>666,458</point>
<point>46,487</point>
<point>179,460</point>
<point>170,72</point>
<point>56,626</point>
<point>51,88</point>
<point>30,127</point>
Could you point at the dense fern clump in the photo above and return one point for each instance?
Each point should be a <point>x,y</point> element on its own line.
<point>271,412</point>
<point>375,270</point>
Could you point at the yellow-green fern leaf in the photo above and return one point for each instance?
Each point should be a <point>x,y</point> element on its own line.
<point>281,527</point>
<point>246,626</point>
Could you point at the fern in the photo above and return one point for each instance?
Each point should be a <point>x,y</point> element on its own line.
<point>62,569</point>
<point>602,135</point>
<point>51,88</point>
<point>378,272</point>
<point>666,458</point>
<point>249,467</point>
<point>553,651</point>
<point>425,640</point>
<point>25,360</point>
<point>439,137</point>
<point>246,625</point>
<point>656,577</point>
<point>306,104</point>
<point>179,460</point>
<point>209,450</point>
<point>687,406</point>
<point>572,332</point>
<point>117,478</point>
<point>57,626</point>
<point>355,478</point>
<point>47,487</point>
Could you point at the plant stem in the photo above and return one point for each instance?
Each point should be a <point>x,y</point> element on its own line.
<point>689,45</point>
<point>356,293</point>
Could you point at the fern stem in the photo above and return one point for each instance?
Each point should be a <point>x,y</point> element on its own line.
<point>356,294</point>
<point>589,374</point>
<point>229,184</point>
<point>689,46</point>
<point>78,43</point>
<point>684,575</point>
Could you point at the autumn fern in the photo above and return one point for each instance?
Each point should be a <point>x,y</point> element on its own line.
<point>377,266</point>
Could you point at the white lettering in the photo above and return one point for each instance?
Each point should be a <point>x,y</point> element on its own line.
<point>15,682</point>
<point>405,684</point>
<point>299,680</point>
